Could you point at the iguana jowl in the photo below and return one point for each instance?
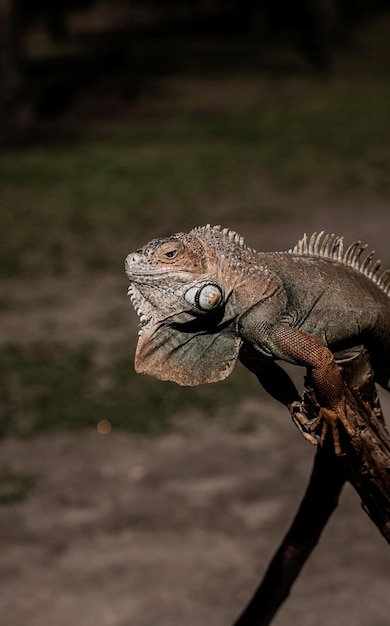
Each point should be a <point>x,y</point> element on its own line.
<point>205,299</point>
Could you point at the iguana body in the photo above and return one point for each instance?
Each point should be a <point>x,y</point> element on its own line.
<point>205,299</point>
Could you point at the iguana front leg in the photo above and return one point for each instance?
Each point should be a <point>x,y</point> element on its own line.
<point>295,346</point>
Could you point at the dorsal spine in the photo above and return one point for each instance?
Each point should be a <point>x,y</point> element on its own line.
<point>331,246</point>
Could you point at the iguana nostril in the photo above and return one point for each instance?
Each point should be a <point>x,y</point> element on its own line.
<point>132,259</point>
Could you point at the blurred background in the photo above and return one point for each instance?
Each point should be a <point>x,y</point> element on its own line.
<point>125,500</point>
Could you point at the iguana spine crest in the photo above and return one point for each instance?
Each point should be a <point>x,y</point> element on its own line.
<point>328,246</point>
<point>232,234</point>
<point>331,246</point>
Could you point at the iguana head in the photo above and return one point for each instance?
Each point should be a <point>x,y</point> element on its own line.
<point>182,290</point>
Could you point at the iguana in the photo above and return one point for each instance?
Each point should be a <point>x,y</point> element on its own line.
<point>205,299</point>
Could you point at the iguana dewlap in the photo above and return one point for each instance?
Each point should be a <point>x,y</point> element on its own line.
<point>205,299</point>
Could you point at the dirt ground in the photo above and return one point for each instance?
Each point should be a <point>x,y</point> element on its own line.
<point>130,531</point>
<point>124,530</point>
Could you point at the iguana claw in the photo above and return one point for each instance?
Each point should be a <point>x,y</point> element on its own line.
<point>327,419</point>
<point>303,424</point>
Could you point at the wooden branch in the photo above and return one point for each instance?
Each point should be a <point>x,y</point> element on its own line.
<point>366,456</point>
<point>364,462</point>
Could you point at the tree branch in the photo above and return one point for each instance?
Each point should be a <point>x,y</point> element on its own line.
<point>365,462</point>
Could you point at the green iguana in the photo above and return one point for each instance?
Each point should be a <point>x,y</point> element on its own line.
<point>205,299</point>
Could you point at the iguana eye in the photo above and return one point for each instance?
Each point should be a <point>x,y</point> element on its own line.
<point>206,298</point>
<point>169,251</point>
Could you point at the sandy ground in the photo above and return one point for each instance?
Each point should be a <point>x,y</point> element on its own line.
<point>124,530</point>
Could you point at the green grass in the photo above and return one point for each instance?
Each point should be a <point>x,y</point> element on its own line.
<point>47,386</point>
<point>14,485</point>
<point>74,206</point>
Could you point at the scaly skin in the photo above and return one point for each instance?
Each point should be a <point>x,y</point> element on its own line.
<point>205,299</point>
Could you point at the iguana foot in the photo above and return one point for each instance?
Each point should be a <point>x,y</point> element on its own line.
<point>326,420</point>
<point>303,424</point>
